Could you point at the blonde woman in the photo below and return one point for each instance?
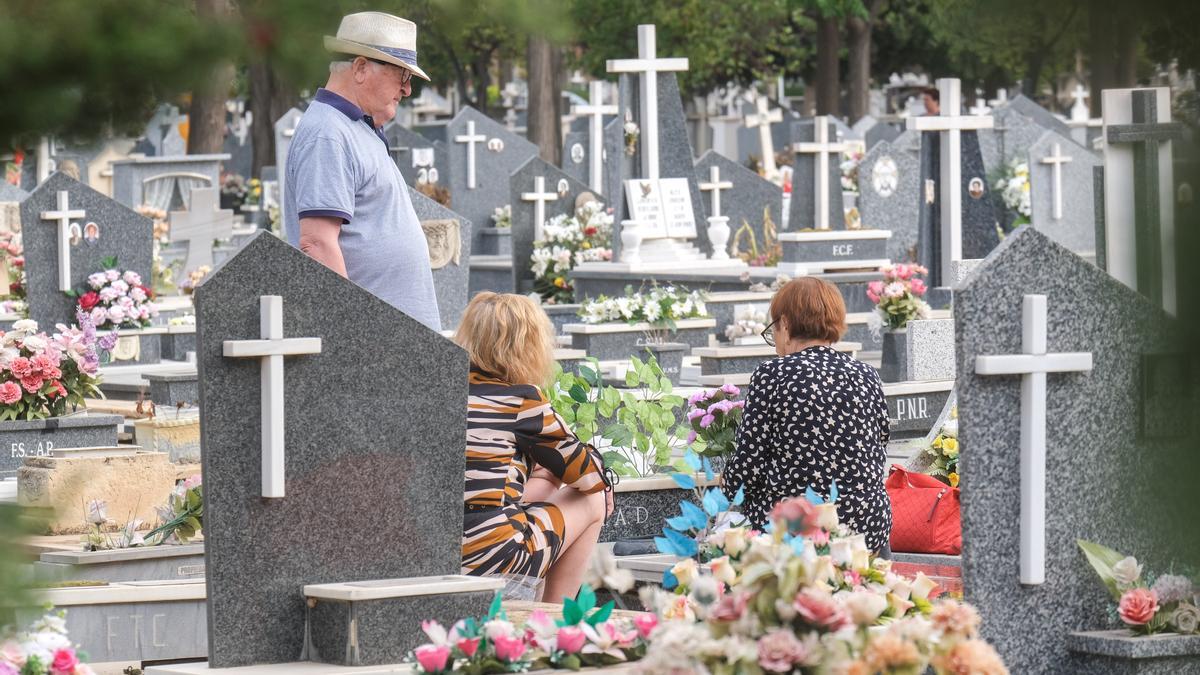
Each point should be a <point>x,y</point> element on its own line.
<point>536,496</point>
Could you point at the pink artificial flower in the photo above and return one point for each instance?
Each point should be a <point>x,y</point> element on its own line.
<point>645,623</point>
<point>10,392</point>
<point>11,652</point>
<point>691,437</point>
<point>853,578</point>
<point>695,414</point>
<point>622,638</point>
<point>820,610</point>
<point>7,668</point>
<point>797,515</point>
<point>64,662</point>
<point>1138,606</point>
<point>917,286</point>
<point>903,272</point>
<point>874,291</point>
<point>731,607</point>
<point>32,383</point>
<point>779,651</point>
<point>707,421</point>
<point>570,639</point>
<point>432,658</point>
<point>468,646</point>
<point>192,481</point>
<point>508,649</point>
<point>21,367</point>
<point>731,389</point>
<point>819,538</point>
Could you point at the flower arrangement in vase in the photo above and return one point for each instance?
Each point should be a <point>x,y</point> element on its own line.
<point>1013,186</point>
<point>807,596</point>
<point>632,133</point>
<point>117,299</point>
<point>1146,604</point>
<point>568,241</point>
<point>898,296</point>
<point>502,217</point>
<point>43,648</point>
<point>188,285</point>
<point>661,305</point>
<point>41,376</point>
<point>715,415</point>
<point>945,450</point>
<point>851,158</point>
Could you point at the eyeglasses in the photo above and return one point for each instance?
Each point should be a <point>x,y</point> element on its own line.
<point>405,73</point>
<point>768,334</point>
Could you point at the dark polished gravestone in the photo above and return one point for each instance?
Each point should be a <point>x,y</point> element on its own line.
<point>449,238</point>
<point>889,192</point>
<point>370,491</point>
<point>123,234</point>
<point>415,155</point>
<point>557,197</point>
<point>748,203</point>
<point>483,154</point>
<point>1106,481</point>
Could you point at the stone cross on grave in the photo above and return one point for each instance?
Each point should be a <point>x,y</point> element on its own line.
<point>1079,111</point>
<point>470,138</point>
<point>595,110</point>
<point>1056,160</point>
<point>715,185</point>
<point>981,106</point>
<point>200,225</point>
<point>539,197</point>
<point>951,125</point>
<point>822,148</point>
<point>647,65</point>
<point>63,214</point>
<point>1001,98</point>
<point>1032,365</point>
<point>271,349</point>
<point>762,120</point>
<point>1152,228</point>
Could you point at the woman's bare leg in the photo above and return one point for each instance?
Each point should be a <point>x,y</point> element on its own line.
<point>540,486</point>
<point>583,515</point>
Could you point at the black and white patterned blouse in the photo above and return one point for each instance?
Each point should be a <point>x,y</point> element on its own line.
<point>812,417</point>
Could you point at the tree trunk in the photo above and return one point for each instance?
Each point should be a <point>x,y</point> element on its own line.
<point>545,122</point>
<point>1034,62</point>
<point>828,66</point>
<point>481,78</point>
<point>206,117</point>
<point>858,76</point>
<point>270,98</point>
<point>1128,37</point>
<point>1100,53</point>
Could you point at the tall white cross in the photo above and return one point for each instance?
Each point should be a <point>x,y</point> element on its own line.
<point>762,120</point>
<point>271,349</point>
<point>539,197</point>
<point>647,65</point>
<point>200,225</point>
<point>63,215</point>
<point>470,138</point>
<point>1079,111</point>
<point>1032,365</point>
<point>596,110</point>
<point>822,148</point>
<point>1056,160</point>
<point>715,185</point>
<point>951,125</point>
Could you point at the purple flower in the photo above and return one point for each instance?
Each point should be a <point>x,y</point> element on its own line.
<point>731,389</point>
<point>694,414</point>
<point>109,341</point>
<point>707,421</point>
<point>691,437</point>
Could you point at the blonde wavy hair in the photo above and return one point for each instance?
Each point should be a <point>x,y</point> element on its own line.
<point>508,337</point>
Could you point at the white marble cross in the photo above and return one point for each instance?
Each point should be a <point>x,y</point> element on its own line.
<point>271,349</point>
<point>63,215</point>
<point>1032,365</point>
<point>951,125</point>
<point>715,185</point>
<point>1056,160</point>
<point>200,225</point>
<point>981,106</point>
<point>539,197</point>
<point>1079,111</point>
<point>762,120</point>
<point>470,138</point>
<point>596,110</point>
<point>647,65</point>
<point>1001,98</point>
<point>822,148</point>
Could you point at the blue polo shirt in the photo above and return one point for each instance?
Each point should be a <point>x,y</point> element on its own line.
<point>338,166</point>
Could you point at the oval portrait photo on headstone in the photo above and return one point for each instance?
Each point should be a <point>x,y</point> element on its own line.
<point>975,188</point>
<point>885,176</point>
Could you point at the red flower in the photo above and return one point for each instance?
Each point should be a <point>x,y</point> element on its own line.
<point>59,390</point>
<point>64,661</point>
<point>89,300</point>
<point>589,231</point>
<point>149,292</point>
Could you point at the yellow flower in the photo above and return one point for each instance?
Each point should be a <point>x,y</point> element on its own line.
<point>937,442</point>
<point>560,282</point>
<point>953,479</point>
<point>950,447</point>
<point>585,245</point>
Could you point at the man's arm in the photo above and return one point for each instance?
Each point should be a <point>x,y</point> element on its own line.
<point>319,241</point>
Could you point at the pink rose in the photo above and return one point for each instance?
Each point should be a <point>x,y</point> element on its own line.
<point>874,291</point>
<point>570,639</point>
<point>917,286</point>
<point>730,607</point>
<point>10,392</point>
<point>646,623</point>
<point>820,610</point>
<point>779,651</point>
<point>508,649</point>
<point>432,658</point>
<point>1138,606</point>
<point>797,515</point>
<point>64,662</point>
<point>468,646</point>
<point>902,271</point>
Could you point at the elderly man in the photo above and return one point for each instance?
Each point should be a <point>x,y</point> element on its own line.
<point>345,202</point>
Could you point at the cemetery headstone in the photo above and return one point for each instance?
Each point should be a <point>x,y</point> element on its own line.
<point>535,200</point>
<point>285,129</point>
<point>1061,178</point>
<point>449,237</point>
<point>595,111</point>
<point>165,183</point>
<point>889,192</point>
<point>1010,137</point>
<point>1030,108</point>
<point>261,552</point>
<point>55,258</point>
<point>204,222</point>
<point>749,140</point>
<point>420,160</point>
<point>818,164</point>
<point>749,203</point>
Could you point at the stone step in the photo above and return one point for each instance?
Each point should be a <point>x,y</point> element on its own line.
<point>716,363</point>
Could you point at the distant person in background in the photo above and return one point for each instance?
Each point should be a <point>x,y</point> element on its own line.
<point>345,203</point>
<point>932,100</point>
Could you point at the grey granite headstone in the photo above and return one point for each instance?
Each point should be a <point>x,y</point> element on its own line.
<point>617,166</point>
<point>889,192</point>
<point>136,179</point>
<point>749,142</point>
<point>451,279</point>
<point>39,438</point>
<point>413,153</point>
<point>492,167</point>
<point>804,186</point>
<point>1030,108</point>
<point>124,235</point>
<point>1076,229</point>
<point>1011,136</point>
<point>11,193</point>
<point>524,227</point>
<point>372,491</point>
<point>576,155</point>
<point>1104,482</point>
<point>751,199</point>
<point>285,128</point>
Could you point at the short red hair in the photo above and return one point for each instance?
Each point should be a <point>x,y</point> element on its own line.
<point>811,309</point>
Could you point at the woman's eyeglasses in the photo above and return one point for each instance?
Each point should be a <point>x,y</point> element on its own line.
<point>768,333</point>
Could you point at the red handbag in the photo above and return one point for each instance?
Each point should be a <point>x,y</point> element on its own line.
<point>926,513</point>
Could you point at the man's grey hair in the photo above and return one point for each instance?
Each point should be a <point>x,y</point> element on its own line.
<point>336,67</point>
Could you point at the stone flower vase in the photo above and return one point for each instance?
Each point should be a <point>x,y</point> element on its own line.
<point>669,356</point>
<point>893,366</point>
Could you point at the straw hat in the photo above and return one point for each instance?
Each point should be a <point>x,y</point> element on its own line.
<point>378,36</point>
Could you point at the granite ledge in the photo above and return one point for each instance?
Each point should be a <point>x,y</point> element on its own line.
<point>1122,643</point>
<point>66,421</point>
<point>936,559</point>
<point>122,555</point>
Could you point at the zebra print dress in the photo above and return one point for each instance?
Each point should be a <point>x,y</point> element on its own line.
<point>510,429</point>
